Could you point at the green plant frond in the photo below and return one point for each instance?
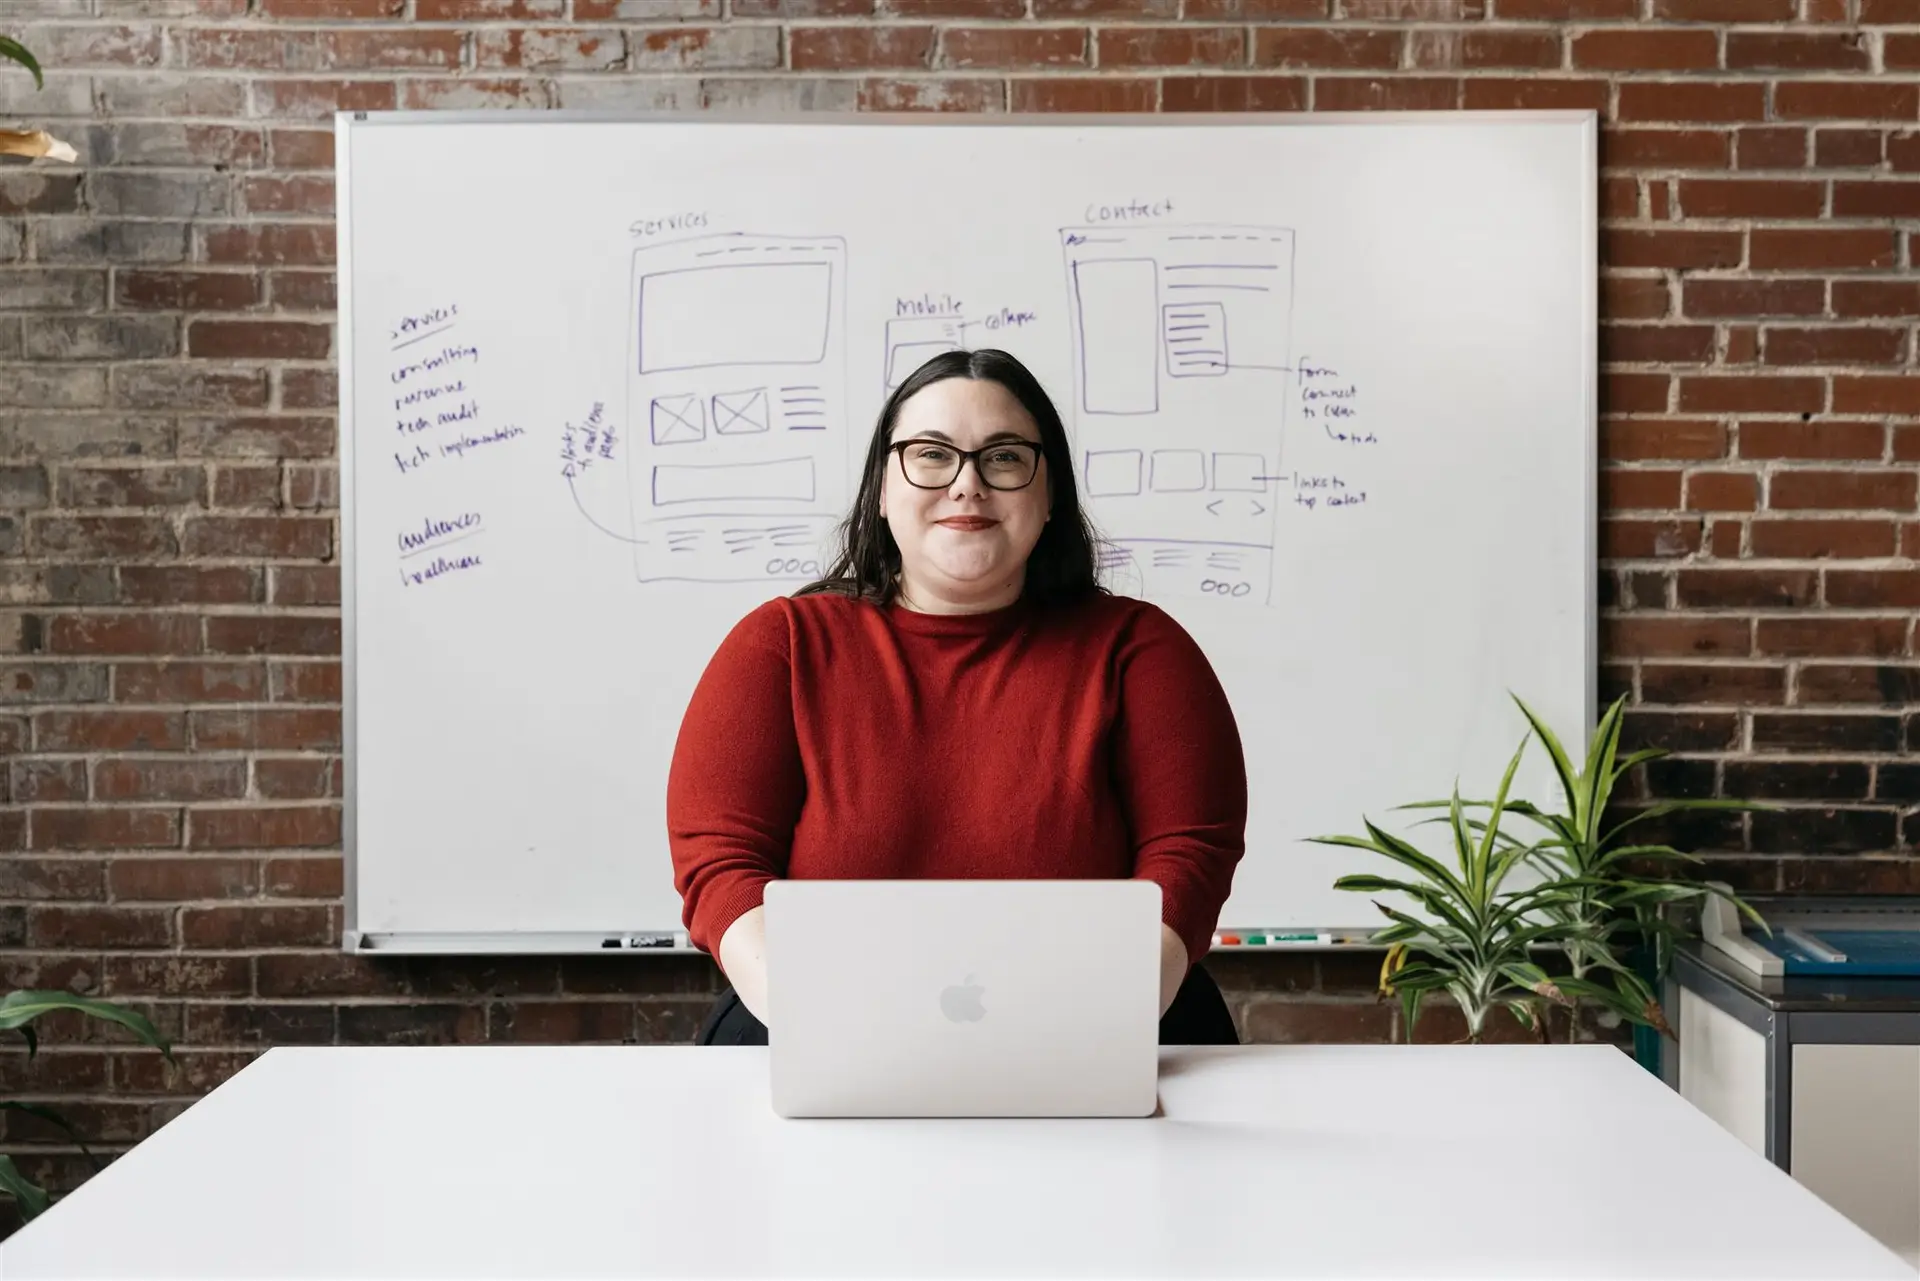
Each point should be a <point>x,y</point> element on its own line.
<point>1426,935</point>
<point>1411,1001</point>
<point>1562,766</point>
<point>1483,855</point>
<point>1660,809</point>
<point>1652,853</point>
<point>1431,897</point>
<point>1535,980</point>
<point>51,1117</point>
<point>31,1199</point>
<point>1407,855</point>
<point>1599,777</point>
<point>17,1009</point>
<point>33,1042</point>
<point>14,51</point>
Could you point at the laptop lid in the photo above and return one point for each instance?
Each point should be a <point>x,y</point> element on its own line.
<point>963,998</point>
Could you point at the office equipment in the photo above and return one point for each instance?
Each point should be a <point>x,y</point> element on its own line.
<point>1330,382</point>
<point>664,1161</point>
<point>1813,1063</point>
<point>963,998</point>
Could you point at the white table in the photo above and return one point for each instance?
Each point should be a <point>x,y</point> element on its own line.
<point>1322,1161</point>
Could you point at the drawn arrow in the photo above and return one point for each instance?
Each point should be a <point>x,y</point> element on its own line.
<point>1257,508</point>
<point>1214,506</point>
<point>625,538</point>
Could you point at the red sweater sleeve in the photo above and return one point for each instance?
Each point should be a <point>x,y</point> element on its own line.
<point>735,786</point>
<point>1182,775</point>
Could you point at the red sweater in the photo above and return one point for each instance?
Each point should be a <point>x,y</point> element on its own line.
<point>831,738</point>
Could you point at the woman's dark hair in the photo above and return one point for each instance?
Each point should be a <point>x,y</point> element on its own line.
<point>1063,565</point>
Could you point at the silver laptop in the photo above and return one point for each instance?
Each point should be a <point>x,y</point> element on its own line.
<point>963,998</point>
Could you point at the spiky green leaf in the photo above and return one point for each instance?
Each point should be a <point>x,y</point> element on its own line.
<point>14,51</point>
<point>27,1194</point>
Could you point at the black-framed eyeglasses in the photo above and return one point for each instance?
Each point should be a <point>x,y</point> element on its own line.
<point>935,464</point>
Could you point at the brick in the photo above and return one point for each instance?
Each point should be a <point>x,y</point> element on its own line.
<point>1649,539</point>
<point>1875,298</point>
<point>844,48</point>
<point>312,291</point>
<point>191,584</point>
<point>270,728</point>
<point>102,338</point>
<point>1625,297</point>
<point>1013,47</point>
<point>1770,148</point>
<point>103,537</point>
<point>1480,50</point>
<point>175,144</point>
<point>1843,490</point>
<point>331,10</point>
<point>1692,101</point>
<point>1565,10</point>
<point>297,778</point>
<point>743,48</point>
<point>1874,588</point>
<point>570,1022</point>
<point>473,95</point>
<point>169,779</point>
<point>1670,731</point>
<point>1332,47</point>
<point>1725,10</point>
<point>1797,780</point>
<point>1716,299</point>
<point>258,340</point>
<point>44,782</point>
<point>1188,46</point>
<point>1670,248</point>
<point>1646,50</point>
<point>319,99</point>
<point>1233,93</point>
<point>301,148</point>
<point>939,8</point>
<point>307,194</point>
<point>1817,637</point>
<point>1849,149</point>
<point>1804,249</point>
<point>1898,783</point>
<point>488,10</point>
<point>1630,148</point>
<point>1694,684</point>
<point>1836,345</point>
<point>1820,439</point>
<point>1534,93</point>
<point>61,96</point>
<point>1299,10</point>
<point>23,486</point>
<point>1897,12</point>
<point>38,289</point>
<point>103,633</point>
<point>1821,539</point>
<point>257,437</point>
<point>1634,393</point>
<point>100,828</point>
<point>236,1023</point>
<point>1046,10</point>
<point>186,290</point>
<point>186,683</point>
<point>1275,1022</point>
<point>1750,198</point>
<point>39,193</point>
<point>108,731</point>
<point>1633,637</point>
<point>323,974</point>
<point>192,1072</point>
<point>1799,51</point>
<point>1639,489</point>
<point>187,387</point>
<point>1906,444</point>
<point>181,880</point>
<point>1889,684</point>
<point>1883,199</point>
<point>235,926</point>
<point>414,1024</point>
<point>1380,93</point>
<point>1745,588</point>
<point>1657,344</point>
<point>1823,831</point>
<point>264,537</point>
<point>1105,93</point>
<point>933,95</point>
<point>277,634</point>
<point>306,682</point>
<point>1722,491</point>
<point>555,50</point>
<point>321,877</point>
<point>68,436</point>
<point>97,928</point>
<point>54,387</point>
<point>1411,10</point>
<point>247,487</point>
<point>1845,100</point>
<point>169,95</point>
<point>1750,394</point>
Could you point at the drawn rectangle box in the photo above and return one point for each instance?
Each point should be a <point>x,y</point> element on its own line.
<point>783,480</point>
<point>1113,472</point>
<point>1118,304</point>
<point>745,314</point>
<point>1240,473</point>
<point>1178,471</point>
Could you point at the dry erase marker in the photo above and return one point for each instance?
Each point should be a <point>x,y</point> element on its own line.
<point>640,940</point>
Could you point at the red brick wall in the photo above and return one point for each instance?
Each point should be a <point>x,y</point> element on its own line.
<point>169,633</point>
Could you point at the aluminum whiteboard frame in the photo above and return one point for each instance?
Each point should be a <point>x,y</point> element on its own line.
<point>346,123</point>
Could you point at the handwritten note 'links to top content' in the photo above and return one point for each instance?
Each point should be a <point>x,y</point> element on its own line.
<point>1331,403</point>
<point>439,424</point>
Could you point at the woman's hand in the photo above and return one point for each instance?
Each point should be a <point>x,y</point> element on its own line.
<point>743,959</point>
<point>1173,967</point>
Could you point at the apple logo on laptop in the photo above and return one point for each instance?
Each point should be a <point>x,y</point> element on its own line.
<point>961,1003</point>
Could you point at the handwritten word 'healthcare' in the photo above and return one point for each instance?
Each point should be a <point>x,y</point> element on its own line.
<point>431,535</point>
<point>1333,403</point>
<point>583,444</point>
<point>440,568</point>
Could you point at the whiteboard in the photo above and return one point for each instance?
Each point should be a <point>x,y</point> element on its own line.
<point>607,384</point>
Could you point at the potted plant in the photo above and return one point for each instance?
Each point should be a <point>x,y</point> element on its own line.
<point>30,143</point>
<point>18,1010</point>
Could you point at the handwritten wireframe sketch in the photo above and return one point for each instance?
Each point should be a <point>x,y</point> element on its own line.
<point>1181,363</point>
<point>736,393</point>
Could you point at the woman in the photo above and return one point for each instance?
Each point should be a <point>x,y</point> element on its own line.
<point>958,697</point>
